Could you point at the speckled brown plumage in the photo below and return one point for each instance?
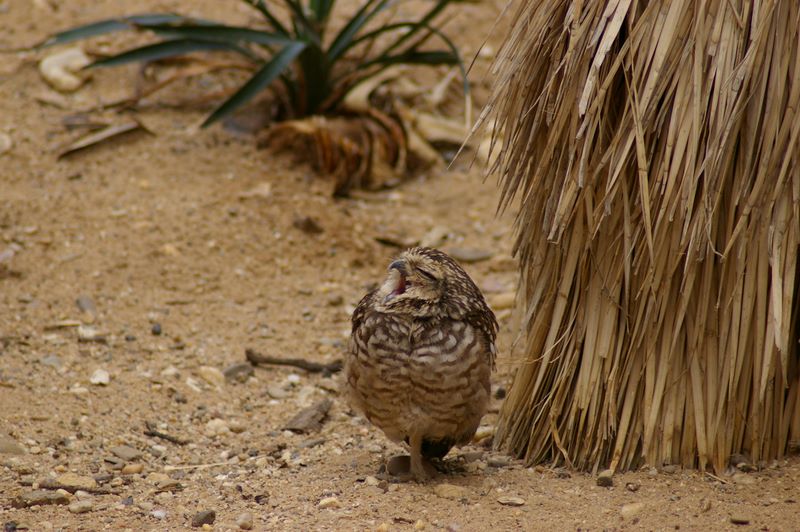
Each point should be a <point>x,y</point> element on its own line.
<point>421,353</point>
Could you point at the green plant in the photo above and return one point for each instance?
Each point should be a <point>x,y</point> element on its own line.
<point>314,72</point>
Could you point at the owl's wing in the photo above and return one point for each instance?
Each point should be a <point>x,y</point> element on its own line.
<point>486,324</point>
<point>361,310</point>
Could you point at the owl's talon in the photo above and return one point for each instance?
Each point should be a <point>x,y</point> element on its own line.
<point>400,468</point>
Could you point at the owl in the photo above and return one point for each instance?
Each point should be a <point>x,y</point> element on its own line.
<point>421,353</point>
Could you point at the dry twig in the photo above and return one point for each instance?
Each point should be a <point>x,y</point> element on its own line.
<point>256,358</point>
<point>152,431</point>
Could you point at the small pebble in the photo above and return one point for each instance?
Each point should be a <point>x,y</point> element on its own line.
<point>631,509</point>
<point>64,70</point>
<point>632,486</point>
<point>498,462</point>
<point>212,375</point>
<point>308,225</point>
<point>85,304</point>
<point>81,507</point>
<point>561,472</point>
<point>87,333</point>
<point>100,377</point>
<point>126,452</point>
<point>740,520</point>
<point>262,190</point>
<point>217,427</point>
<point>72,480</point>
<point>471,456</point>
<point>5,143</point>
<point>239,372</point>
<point>245,521</point>
<point>236,426</point>
<point>54,361</point>
<point>159,514</point>
<point>744,479</point>
<point>156,329</point>
<point>169,484</point>
<point>40,498</point>
<point>276,392</point>
<point>156,477</point>
<point>204,517</point>
<point>8,445</point>
<point>170,372</point>
<point>328,502</point>
<point>739,459</point>
<point>450,491</point>
<point>511,501</point>
<point>132,469</point>
<point>483,432</point>
<point>605,479</point>
<point>158,450</point>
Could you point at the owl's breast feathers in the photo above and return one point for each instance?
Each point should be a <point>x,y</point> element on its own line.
<point>474,313</point>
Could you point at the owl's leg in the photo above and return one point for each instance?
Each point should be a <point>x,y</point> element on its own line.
<point>417,464</point>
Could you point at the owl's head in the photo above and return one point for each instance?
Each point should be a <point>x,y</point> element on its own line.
<point>426,282</point>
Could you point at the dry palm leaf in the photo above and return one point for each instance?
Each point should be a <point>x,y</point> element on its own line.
<point>356,152</point>
<point>100,136</point>
<point>653,146</point>
<point>367,148</point>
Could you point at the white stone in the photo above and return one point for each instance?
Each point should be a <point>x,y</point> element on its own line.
<point>100,377</point>
<point>5,142</point>
<point>245,521</point>
<point>81,507</point>
<point>61,69</point>
<point>329,502</point>
<point>217,427</point>
<point>212,375</point>
<point>631,509</point>
<point>170,372</point>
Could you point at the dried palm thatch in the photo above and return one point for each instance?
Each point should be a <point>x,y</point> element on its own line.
<point>654,147</point>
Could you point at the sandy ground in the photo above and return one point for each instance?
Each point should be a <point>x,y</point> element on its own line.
<point>194,234</point>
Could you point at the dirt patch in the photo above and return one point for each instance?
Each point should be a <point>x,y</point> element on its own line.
<point>134,276</point>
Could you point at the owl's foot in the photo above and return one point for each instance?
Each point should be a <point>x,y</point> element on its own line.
<point>421,469</point>
<point>399,466</point>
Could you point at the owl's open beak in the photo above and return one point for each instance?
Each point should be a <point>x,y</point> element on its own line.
<point>397,280</point>
<point>399,265</point>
